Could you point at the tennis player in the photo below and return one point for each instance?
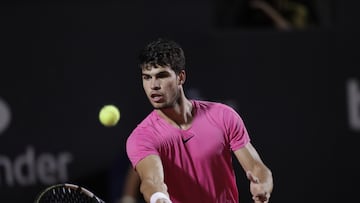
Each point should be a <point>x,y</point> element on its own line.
<point>182,151</point>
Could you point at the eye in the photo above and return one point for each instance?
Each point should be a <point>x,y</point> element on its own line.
<point>146,77</point>
<point>163,75</point>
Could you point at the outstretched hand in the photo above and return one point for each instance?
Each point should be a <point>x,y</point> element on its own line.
<point>258,189</point>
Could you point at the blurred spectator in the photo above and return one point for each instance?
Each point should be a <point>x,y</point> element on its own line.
<point>281,14</point>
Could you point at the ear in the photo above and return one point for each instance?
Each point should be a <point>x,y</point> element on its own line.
<point>181,77</point>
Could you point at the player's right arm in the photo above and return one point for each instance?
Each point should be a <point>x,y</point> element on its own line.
<point>150,170</point>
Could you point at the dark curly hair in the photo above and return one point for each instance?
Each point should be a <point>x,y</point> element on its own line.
<point>163,52</point>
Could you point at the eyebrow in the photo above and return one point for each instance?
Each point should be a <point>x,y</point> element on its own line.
<point>157,74</point>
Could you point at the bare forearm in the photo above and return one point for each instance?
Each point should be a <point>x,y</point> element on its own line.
<point>149,187</point>
<point>278,19</point>
<point>150,170</point>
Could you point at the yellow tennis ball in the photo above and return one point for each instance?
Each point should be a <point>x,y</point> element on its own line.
<point>109,115</point>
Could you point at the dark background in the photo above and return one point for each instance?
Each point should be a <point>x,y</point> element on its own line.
<point>62,61</point>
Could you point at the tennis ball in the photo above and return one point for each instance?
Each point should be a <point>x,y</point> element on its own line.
<point>109,115</point>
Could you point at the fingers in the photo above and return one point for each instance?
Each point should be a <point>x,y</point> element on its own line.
<point>261,202</point>
<point>259,194</point>
<point>261,198</point>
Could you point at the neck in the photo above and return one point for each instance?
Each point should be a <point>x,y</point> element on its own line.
<point>180,115</point>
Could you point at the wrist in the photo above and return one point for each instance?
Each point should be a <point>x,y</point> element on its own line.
<point>158,195</point>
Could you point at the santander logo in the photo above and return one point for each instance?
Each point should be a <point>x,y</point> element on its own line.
<point>5,116</point>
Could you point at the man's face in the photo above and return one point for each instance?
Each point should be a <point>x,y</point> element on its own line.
<point>161,85</point>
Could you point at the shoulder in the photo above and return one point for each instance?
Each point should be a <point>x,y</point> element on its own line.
<point>148,121</point>
<point>213,107</point>
<point>145,126</point>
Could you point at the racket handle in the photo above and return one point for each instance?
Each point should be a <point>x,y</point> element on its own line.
<point>98,200</point>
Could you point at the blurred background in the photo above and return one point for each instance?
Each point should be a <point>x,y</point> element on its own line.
<point>289,67</point>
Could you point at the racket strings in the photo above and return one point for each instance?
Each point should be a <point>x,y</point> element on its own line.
<point>66,195</point>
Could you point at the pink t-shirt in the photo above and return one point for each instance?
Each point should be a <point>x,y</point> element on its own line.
<point>197,161</point>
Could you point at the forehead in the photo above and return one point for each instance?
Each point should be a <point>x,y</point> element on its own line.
<point>154,69</point>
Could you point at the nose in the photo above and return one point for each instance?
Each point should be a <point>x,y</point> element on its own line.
<point>155,84</point>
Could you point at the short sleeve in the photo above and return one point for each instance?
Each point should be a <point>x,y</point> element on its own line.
<point>235,129</point>
<point>140,144</point>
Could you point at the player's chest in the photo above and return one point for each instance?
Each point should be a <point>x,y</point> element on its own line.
<point>197,142</point>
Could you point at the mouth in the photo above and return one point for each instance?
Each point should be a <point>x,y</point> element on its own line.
<point>156,97</point>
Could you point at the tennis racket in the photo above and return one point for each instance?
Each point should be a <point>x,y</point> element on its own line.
<point>66,193</point>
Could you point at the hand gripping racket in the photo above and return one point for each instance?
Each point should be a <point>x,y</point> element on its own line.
<point>66,193</point>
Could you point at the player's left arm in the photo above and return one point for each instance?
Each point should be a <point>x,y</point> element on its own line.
<point>259,175</point>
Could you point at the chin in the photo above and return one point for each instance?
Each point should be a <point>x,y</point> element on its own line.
<point>157,105</point>
<point>160,105</point>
